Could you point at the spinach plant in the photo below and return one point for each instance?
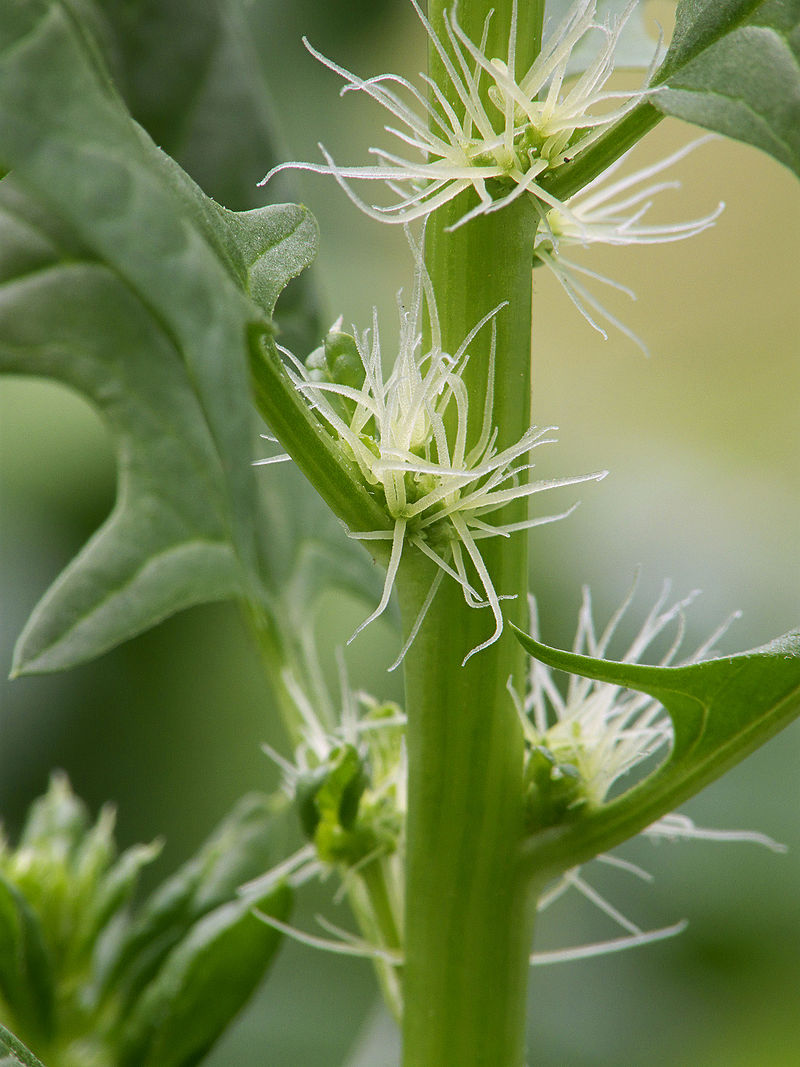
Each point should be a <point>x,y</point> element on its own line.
<point>449,820</point>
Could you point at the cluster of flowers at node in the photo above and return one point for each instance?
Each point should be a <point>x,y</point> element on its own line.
<point>348,777</point>
<point>408,435</point>
<point>542,125</point>
<point>512,130</point>
<point>581,743</point>
<point>596,732</point>
<point>347,783</point>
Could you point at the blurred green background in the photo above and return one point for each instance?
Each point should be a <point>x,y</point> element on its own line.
<point>703,443</point>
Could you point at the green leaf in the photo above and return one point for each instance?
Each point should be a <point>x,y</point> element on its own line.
<point>183,81</point>
<point>18,1051</point>
<point>75,969</point>
<point>721,710</point>
<point>124,281</point>
<point>245,844</point>
<point>734,67</point>
<point>198,90</point>
<point>203,984</point>
<point>26,973</point>
<point>114,892</point>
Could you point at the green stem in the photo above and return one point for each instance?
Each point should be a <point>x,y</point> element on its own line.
<point>572,177</point>
<point>469,911</point>
<point>378,912</point>
<point>309,443</point>
<point>278,649</point>
<point>373,876</point>
<point>468,921</point>
<point>17,1049</point>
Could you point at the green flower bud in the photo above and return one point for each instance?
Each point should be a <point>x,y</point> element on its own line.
<point>305,795</point>
<point>553,790</point>
<point>345,365</point>
<point>337,362</point>
<point>317,366</point>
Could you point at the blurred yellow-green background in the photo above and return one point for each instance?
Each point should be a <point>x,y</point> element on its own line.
<point>703,444</point>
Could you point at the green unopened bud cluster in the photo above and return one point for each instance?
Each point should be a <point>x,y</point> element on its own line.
<point>89,980</point>
<point>350,800</point>
<point>553,790</point>
<point>337,359</point>
<point>348,789</point>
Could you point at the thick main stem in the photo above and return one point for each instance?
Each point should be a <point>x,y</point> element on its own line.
<point>468,924</point>
<point>468,921</point>
<point>469,913</point>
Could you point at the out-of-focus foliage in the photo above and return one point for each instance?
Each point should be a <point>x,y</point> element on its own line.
<point>87,979</point>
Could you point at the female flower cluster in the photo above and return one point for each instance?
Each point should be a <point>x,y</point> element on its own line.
<point>408,434</point>
<point>511,130</point>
